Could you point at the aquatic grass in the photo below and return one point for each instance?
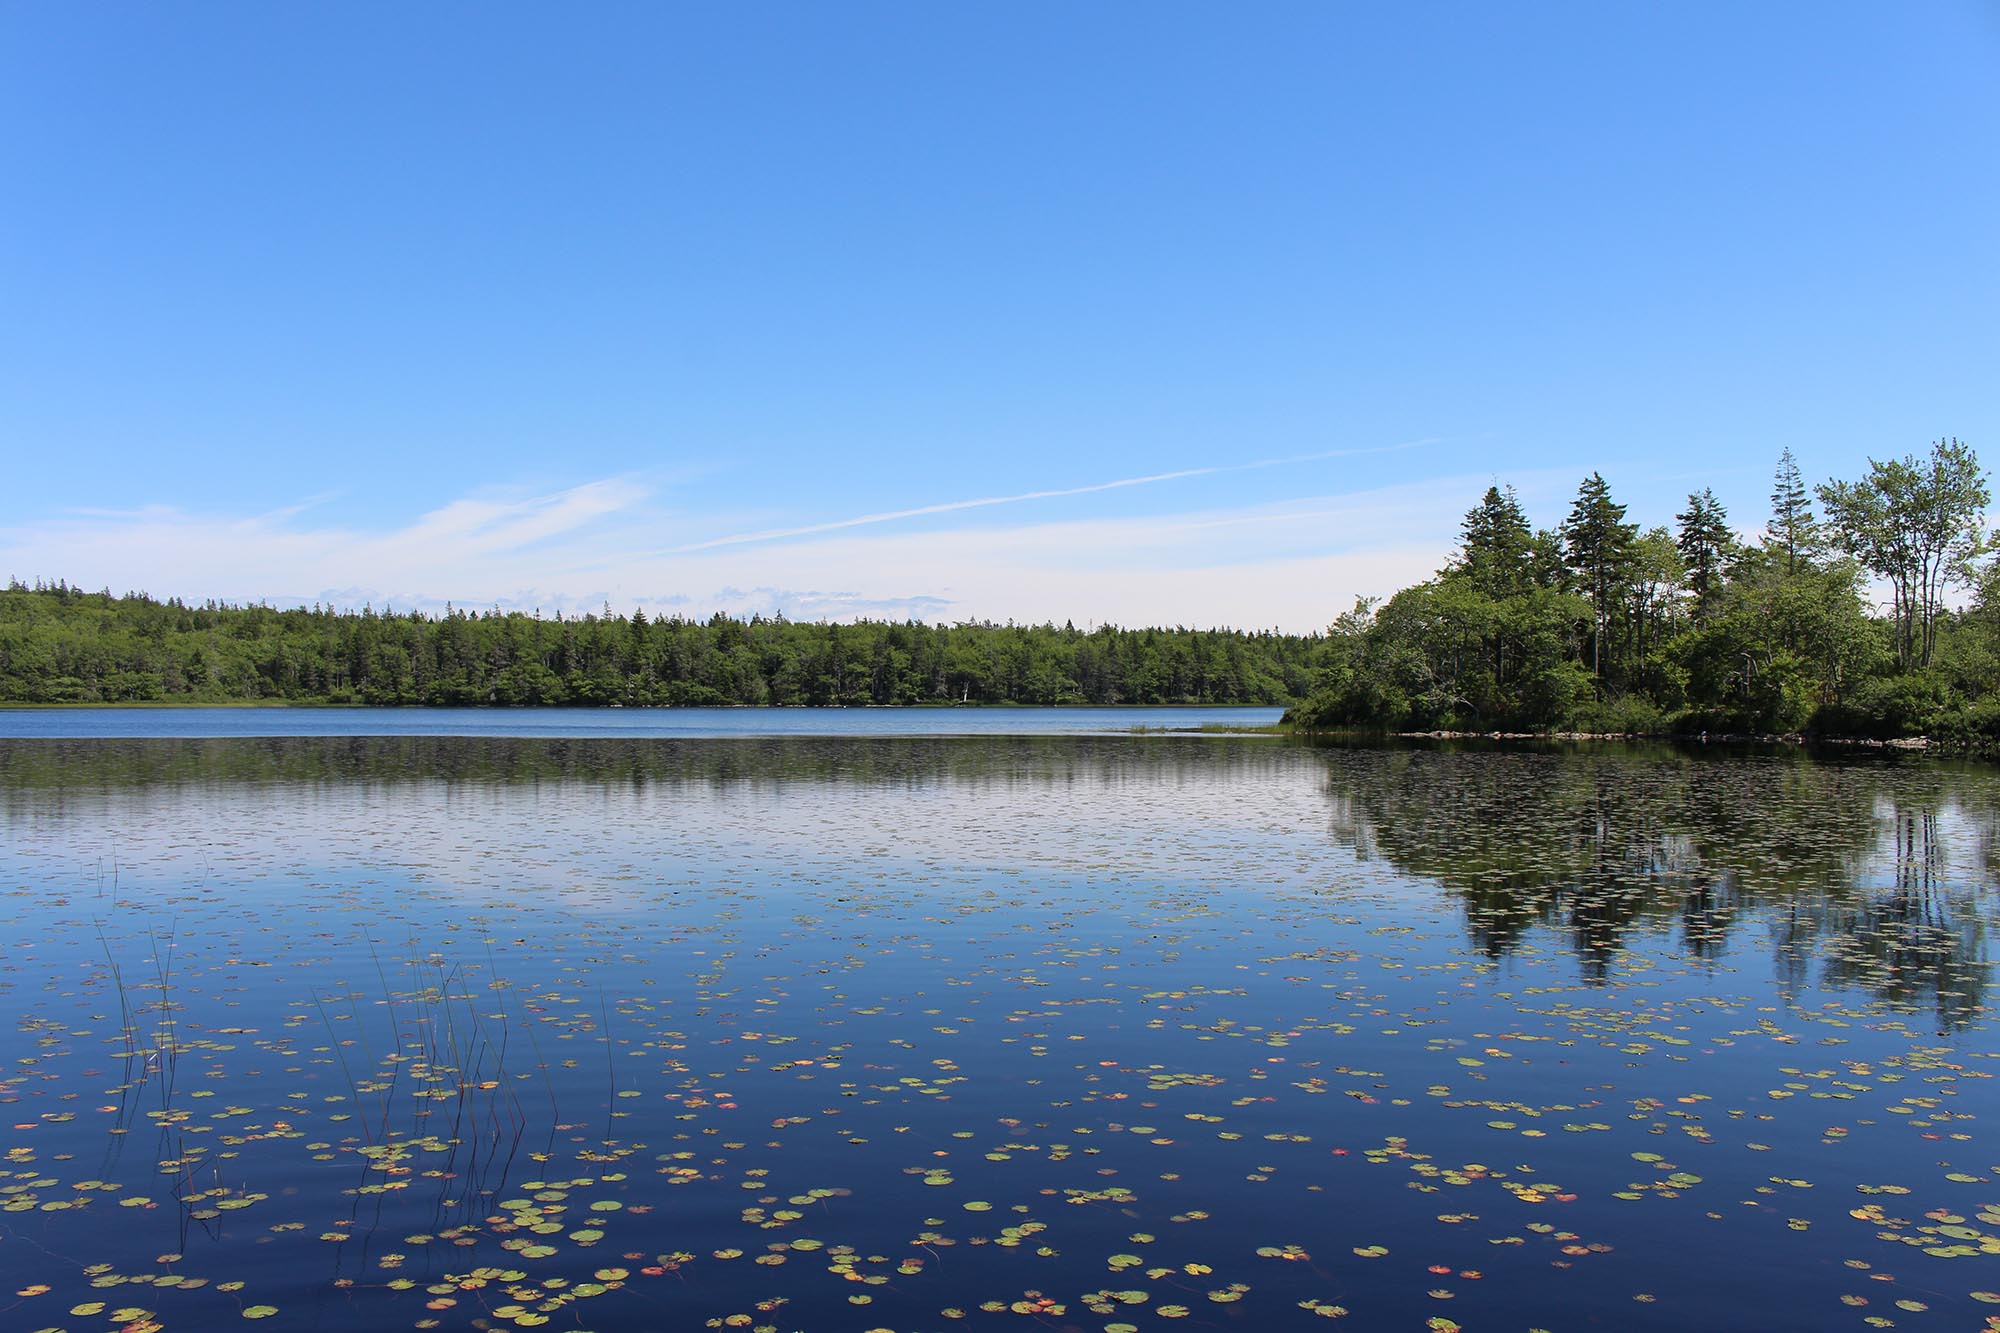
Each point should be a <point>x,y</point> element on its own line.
<point>339,1048</point>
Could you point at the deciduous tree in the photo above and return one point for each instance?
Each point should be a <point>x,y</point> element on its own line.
<point>1919,523</point>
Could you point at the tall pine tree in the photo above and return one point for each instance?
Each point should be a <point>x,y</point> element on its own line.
<point>1597,543</point>
<point>1705,544</point>
<point>1794,531</point>
<point>1496,543</point>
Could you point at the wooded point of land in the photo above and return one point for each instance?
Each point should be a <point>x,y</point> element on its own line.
<point>1598,626</point>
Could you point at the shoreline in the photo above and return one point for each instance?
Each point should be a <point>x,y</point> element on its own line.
<point>1795,738</point>
<point>1704,738</point>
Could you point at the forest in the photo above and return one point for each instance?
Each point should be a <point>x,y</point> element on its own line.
<point>59,644</point>
<point>1866,608</point>
<point>1861,609</point>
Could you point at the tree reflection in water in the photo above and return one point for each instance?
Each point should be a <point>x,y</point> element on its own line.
<point>1862,873</point>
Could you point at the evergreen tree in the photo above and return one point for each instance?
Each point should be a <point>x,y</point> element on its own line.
<point>1546,565</point>
<point>1705,544</point>
<point>1496,544</point>
<point>1794,531</point>
<point>1597,543</point>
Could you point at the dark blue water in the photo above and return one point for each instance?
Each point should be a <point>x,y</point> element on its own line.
<point>635,722</point>
<point>1076,1033</point>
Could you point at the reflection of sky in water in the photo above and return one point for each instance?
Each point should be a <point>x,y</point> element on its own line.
<point>1217,974</point>
<point>1223,821</point>
<point>800,821</point>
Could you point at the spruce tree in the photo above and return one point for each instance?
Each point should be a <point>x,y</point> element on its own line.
<point>1597,543</point>
<point>1496,542</point>
<point>1705,544</point>
<point>1794,531</point>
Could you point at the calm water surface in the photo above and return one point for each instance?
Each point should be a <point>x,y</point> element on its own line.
<point>1073,1033</point>
<point>632,722</point>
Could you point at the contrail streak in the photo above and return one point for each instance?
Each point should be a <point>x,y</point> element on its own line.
<point>953,506</point>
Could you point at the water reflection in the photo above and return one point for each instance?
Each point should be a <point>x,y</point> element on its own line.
<point>1850,872</point>
<point>40,766</point>
<point>1873,875</point>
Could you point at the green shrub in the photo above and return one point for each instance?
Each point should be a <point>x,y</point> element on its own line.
<point>1973,727</point>
<point>1629,715</point>
<point>1887,707</point>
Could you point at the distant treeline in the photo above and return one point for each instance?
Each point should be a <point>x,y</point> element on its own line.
<point>59,644</point>
<point>1598,626</point>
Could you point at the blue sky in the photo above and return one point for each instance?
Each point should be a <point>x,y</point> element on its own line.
<point>513,305</point>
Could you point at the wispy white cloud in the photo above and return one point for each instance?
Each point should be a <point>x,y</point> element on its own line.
<point>487,526</point>
<point>985,502</point>
<point>1291,564</point>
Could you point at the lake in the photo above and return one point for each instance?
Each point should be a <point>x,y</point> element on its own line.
<point>1069,1032</point>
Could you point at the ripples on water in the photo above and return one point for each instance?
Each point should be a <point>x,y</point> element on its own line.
<point>927,1033</point>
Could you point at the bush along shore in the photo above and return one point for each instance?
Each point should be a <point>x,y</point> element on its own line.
<point>1705,738</point>
<point>1598,629</point>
